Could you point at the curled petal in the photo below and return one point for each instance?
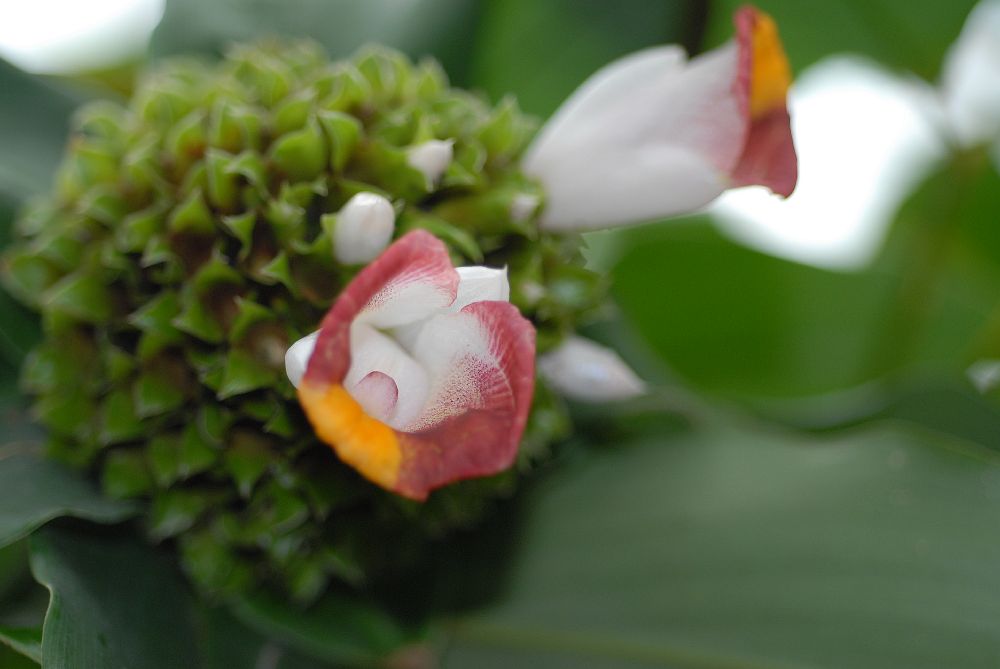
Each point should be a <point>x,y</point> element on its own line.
<point>374,352</point>
<point>655,135</point>
<point>297,357</point>
<point>482,384</point>
<point>412,279</point>
<point>586,371</point>
<point>363,229</point>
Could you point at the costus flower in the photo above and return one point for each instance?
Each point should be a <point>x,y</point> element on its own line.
<point>655,134</point>
<point>421,374</point>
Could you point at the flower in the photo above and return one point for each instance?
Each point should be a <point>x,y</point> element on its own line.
<point>582,370</point>
<point>654,134</point>
<point>971,78</point>
<point>421,374</point>
<point>363,228</point>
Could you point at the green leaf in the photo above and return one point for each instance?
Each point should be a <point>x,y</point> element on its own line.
<point>739,322</point>
<point>26,641</point>
<point>907,34</point>
<point>115,603</point>
<point>541,51</point>
<point>34,491</point>
<point>744,324</point>
<point>34,121</point>
<point>11,659</point>
<point>731,546</point>
<point>227,644</point>
<point>337,628</point>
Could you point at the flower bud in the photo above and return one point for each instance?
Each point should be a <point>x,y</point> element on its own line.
<point>523,207</point>
<point>297,357</point>
<point>431,158</point>
<point>363,229</point>
<point>585,371</point>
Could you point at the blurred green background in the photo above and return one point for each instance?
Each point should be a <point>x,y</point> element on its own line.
<point>814,483</point>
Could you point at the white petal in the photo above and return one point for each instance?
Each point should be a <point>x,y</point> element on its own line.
<point>647,137</point>
<point>456,352</point>
<point>363,229</point>
<point>373,351</point>
<point>431,158</point>
<point>480,284</point>
<point>297,357</point>
<point>971,77</point>
<point>476,284</point>
<point>377,393</point>
<point>586,371</point>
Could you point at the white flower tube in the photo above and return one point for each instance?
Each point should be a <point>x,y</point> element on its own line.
<point>431,158</point>
<point>655,135</point>
<point>363,228</point>
<point>585,371</point>
<point>970,79</point>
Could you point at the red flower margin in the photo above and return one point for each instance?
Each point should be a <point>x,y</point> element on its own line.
<point>480,362</point>
<point>761,88</point>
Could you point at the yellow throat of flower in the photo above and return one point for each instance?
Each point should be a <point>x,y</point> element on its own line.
<point>770,75</point>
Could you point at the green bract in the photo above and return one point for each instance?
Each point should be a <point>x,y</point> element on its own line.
<point>187,243</point>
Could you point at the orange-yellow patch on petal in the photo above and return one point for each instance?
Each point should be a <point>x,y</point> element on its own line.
<point>363,442</point>
<point>770,75</point>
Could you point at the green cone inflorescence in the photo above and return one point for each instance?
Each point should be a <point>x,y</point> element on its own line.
<point>187,243</point>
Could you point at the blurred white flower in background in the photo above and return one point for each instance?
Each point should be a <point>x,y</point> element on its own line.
<point>71,35</point>
<point>865,137</point>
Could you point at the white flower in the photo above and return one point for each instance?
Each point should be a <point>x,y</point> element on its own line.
<point>363,228</point>
<point>421,373</point>
<point>586,371</point>
<point>431,158</point>
<point>655,135</point>
<point>970,78</point>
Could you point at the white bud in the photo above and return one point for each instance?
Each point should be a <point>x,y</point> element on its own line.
<point>583,370</point>
<point>431,158</point>
<point>984,374</point>
<point>363,229</point>
<point>523,207</point>
<point>297,357</point>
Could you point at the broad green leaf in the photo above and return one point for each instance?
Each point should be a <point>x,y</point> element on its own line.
<point>27,642</point>
<point>33,125</point>
<point>733,546</point>
<point>905,34</point>
<point>418,28</point>
<point>337,628</point>
<point>34,491</point>
<point>12,659</point>
<point>738,322</point>
<point>227,644</point>
<point>744,324</point>
<point>116,602</point>
<point>541,51</point>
